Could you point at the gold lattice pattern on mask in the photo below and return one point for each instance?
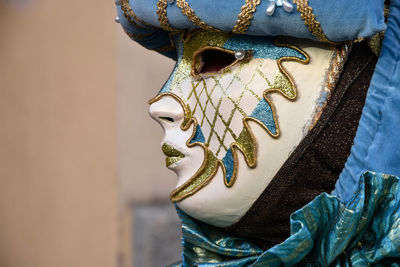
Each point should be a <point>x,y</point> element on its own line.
<point>206,98</point>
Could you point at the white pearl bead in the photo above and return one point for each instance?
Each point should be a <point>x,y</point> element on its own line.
<point>271,9</point>
<point>240,54</point>
<point>116,19</point>
<point>288,7</point>
<point>170,1</point>
<point>279,2</point>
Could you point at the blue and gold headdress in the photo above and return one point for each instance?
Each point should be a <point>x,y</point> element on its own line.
<point>150,22</point>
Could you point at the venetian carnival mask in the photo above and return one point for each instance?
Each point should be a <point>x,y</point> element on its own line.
<point>233,110</point>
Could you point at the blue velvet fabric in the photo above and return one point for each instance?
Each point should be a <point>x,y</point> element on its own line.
<point>152,38</point>
<point>377,142</point>
<point>363,232</point>
<point>341,20</point>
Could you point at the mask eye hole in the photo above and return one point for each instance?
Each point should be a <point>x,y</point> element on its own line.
<point>212,60</point>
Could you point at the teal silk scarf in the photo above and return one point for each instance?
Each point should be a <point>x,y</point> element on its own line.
<point>325,232</point>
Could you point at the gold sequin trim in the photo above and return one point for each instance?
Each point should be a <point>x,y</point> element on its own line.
<point>204,38</point>
<point>314,26</point>
<point>191,15</point>
<point>338,59</point>
<point>162,16</point>
<point>375,42</point>
<point>337,64</point>
<point>245,16</point>
<point>129,14</point>
<point>201,179</point>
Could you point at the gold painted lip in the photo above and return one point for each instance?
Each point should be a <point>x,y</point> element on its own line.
<point>173,155</point>
<point>170,151</point>
<point>171,160</point>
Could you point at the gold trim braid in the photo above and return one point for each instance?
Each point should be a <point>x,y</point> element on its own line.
<point>245,16</point>
<point>191,15</point>
<point>129,14</point>
<point>337,62</point>
<point>314,26</point>
<point>162,16</point>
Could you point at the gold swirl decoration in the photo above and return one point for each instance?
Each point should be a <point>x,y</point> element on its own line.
<point>242,23</point>
<point>245,16</point>
<point>129,14</point>
<point>314,26</point>
<point>191,15</point>
<point>162,16</point>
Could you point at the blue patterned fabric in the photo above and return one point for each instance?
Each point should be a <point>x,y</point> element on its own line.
<point>377,142</point>
<point>364,232</point>
<point>340,20</point>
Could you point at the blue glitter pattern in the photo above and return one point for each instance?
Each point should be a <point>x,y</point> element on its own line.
<point>198,137</point>
<point>229,164</point>
<point>262,47</point>
<point>179,47</point>
<point>263,112</point>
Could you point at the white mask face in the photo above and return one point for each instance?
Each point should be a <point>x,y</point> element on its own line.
<point>233,110</point>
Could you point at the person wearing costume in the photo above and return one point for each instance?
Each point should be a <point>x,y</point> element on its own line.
<point>282,122</point>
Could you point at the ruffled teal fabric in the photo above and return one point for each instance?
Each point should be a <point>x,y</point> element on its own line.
<point>363,232</point>
<point>340,20</point>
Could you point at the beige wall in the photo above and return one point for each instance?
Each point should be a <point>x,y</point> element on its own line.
<point>142,175</point>
<point>58,187</point>
<point>77,147</point>
<point>141,163</point>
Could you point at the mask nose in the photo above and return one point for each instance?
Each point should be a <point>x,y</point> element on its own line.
<point>167,111</point>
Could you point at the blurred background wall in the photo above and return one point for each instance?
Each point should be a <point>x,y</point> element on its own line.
<point>78,151</point>
<point>149,231</point>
